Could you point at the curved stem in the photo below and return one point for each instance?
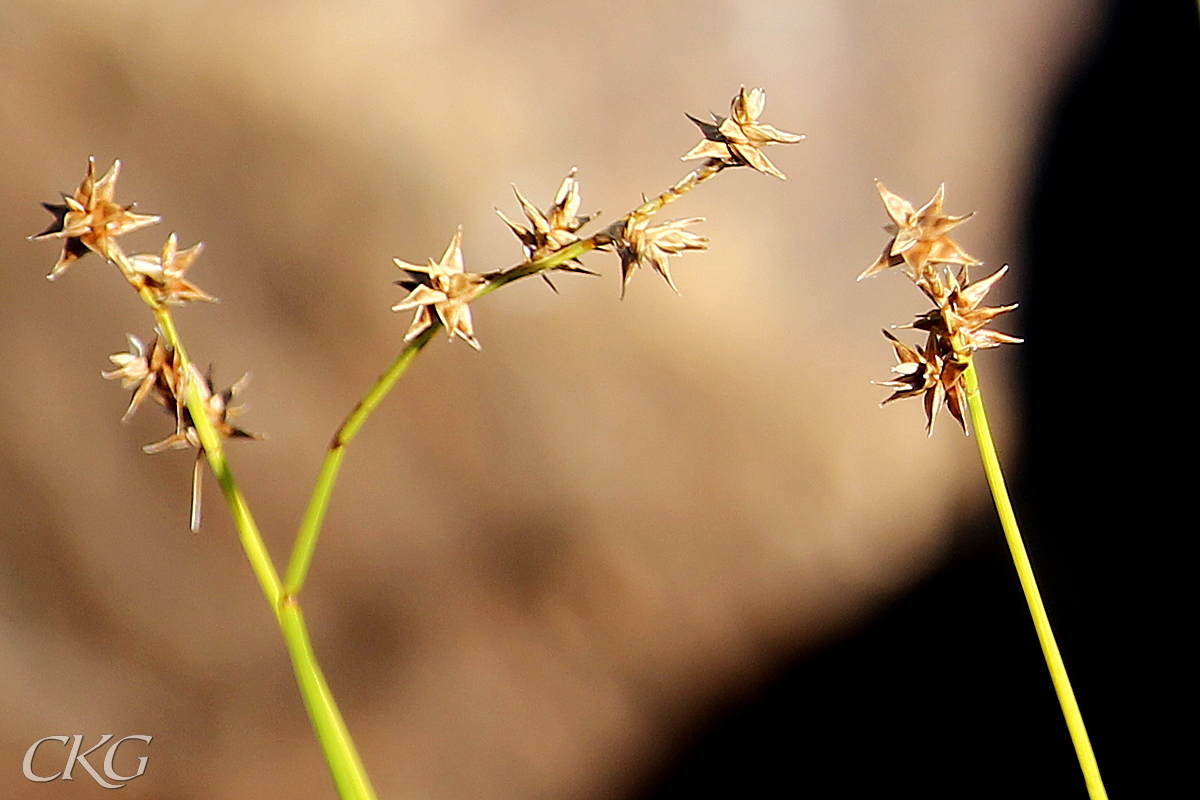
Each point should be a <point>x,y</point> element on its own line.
<point>1041,622</point>
<point>318,504</point>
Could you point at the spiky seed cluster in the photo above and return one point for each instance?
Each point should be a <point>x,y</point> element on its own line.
<point>955,326</point>
<point>160,374</point>
<point>442,287</point>
<point>91,220</point>
<point>441,290</point>
<point>642,245</point>
<point>738,140</point>
<point>162,274</point>
<point>555,229</point>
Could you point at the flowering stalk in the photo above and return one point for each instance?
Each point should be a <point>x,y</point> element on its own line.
<point>440,291</point>
<point>1037,610</point>
<point>550,243</point>
<point>943,373</point>
<point>90,221</point>
<point>318,504</point>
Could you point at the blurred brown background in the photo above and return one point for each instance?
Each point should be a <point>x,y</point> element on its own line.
<point>544,560</point>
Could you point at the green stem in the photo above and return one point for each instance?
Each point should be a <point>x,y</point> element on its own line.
<point>214,451</point>
<point>318,504</point>
<point>1041,622</point>
<point>349,775</point>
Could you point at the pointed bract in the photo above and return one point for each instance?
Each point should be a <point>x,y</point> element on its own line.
<point>918,236</point>
<point>442,287</point>
<point>931,373</point>
<point>90,220</point>
<point>639,245</point>
<point>739,138</point>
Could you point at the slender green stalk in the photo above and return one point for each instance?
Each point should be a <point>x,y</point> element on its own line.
<point>318,504</point>
<point>349,775</point>
<point>1041,622</point>
<point>214,451</point>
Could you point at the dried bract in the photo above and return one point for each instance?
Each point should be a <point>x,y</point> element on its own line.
<point>90,220</point>
<point>155,371</point>
<point>929,372</point>
<point>162,274</point>
<point>554,229</point>
<point>443,287</point>
<point>739,138</point>
<point>218,409</point>
<point>918,235</point>
<point>960,318</point>
<point>640,245</point>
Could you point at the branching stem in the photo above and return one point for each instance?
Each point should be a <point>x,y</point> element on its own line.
<point>318,504</point>
<point>345,766</point>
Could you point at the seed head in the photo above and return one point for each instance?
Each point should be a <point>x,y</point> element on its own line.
<point>153,372</point>
<point>930,372</point>
<point>162,274</point>
<point>738,139</point>
<point>90,220</point>
<point>554,230</point>
<point>959,317</point>
<point>918,235</point>
<point>639,245</point>
<point>444,287</point>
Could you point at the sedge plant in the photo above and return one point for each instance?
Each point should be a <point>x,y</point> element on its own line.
<point>439,292</point>
<point>942,372</point>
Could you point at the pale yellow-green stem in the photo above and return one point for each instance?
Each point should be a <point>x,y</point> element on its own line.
<point>1041,622</point>
<point>345,766</point>
<point>709,169</point>
<point>318,504</point>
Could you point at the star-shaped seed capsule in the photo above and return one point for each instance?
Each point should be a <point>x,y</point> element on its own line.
<point>929,372</point>
<point>639,245</point>
<point>443,287</point>
<point>162,274</point>
<point>553,230</point>
<point>960,316</point>
<point>919,235</point>
<point>89,220</point>
<point>738,139</point>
